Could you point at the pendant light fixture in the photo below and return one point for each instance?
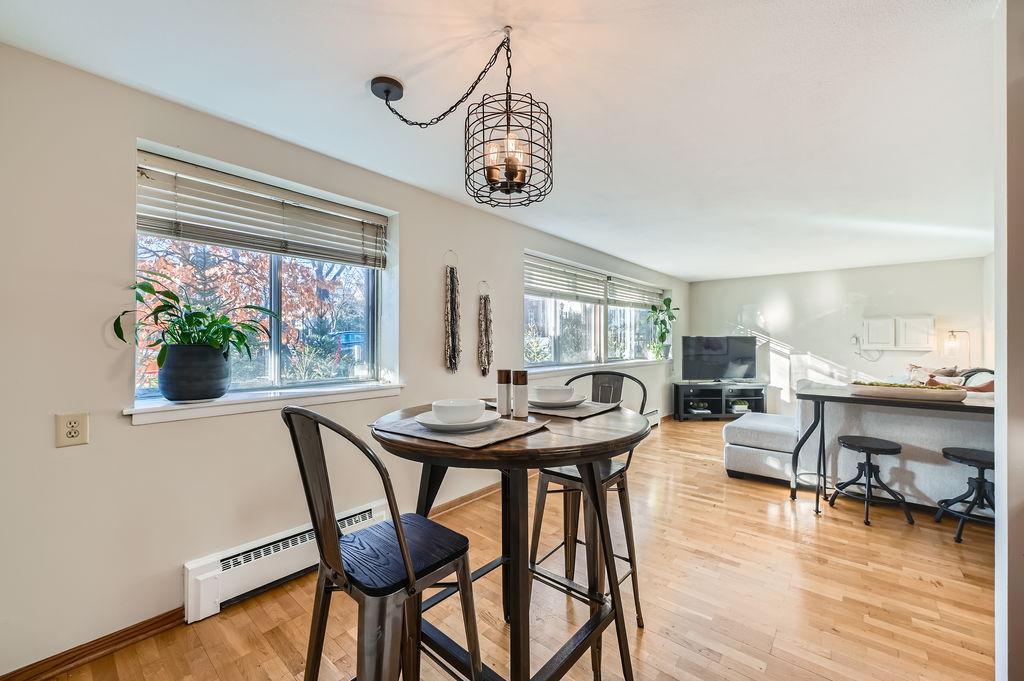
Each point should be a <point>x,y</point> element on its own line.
<point>508,137</point>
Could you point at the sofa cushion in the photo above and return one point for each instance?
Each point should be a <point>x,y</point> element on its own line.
<point>767,464</point>
<point>763,431</point>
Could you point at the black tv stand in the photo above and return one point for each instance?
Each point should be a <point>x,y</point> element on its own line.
<point>718,398</point>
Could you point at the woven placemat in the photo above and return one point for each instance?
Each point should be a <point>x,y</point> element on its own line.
<point>580,411</point>
<point>503,429</point>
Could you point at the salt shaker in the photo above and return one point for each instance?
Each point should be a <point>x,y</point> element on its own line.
<point>520,395</point>
<point>504,392</point>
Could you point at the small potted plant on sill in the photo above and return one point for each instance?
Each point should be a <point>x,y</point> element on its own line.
<point>662,317</point>
<point>195,341</point>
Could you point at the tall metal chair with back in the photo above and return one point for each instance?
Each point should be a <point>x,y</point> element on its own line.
<point>606,387</point>
<point>381,567</point>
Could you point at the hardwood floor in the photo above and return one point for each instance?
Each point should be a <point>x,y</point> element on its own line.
<point>737,582</point>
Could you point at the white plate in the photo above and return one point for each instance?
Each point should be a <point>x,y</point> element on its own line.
<point>571,402</point>
<point>428,420</point>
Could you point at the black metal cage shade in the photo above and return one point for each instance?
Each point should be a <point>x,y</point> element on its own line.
<point>508,150</point>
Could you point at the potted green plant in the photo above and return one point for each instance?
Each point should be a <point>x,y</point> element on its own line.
<point>194,340</point>
<point>662,317</point>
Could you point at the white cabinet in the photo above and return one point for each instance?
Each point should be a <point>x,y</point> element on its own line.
<point>915,333</point>
<point>908,333</point>
<point>879,333</point>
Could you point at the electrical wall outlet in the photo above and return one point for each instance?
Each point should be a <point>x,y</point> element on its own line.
<point>71,429</point>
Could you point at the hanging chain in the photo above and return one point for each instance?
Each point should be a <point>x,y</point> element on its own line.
<point>508,66</point>
<point>506,45</point>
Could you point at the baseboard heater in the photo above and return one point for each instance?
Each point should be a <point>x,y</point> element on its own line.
<point>654,417</point>
<point>228,576</point>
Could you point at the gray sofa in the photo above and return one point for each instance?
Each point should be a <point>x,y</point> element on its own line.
<point>762,445</point>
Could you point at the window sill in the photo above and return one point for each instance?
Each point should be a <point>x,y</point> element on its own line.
<point>159,410</point>
<point>565,370</point>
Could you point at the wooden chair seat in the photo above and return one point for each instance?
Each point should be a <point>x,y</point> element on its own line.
<point>607,470</point>
<point>373,558</point>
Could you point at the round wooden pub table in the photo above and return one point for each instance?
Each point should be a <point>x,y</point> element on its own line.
<point>564,442</point>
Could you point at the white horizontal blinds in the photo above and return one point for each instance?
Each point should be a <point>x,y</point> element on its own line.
<point>624,293</point>
<point>184,201</point>
<point>551,279</point>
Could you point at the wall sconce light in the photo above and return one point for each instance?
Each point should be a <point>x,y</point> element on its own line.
<point>952,344</point>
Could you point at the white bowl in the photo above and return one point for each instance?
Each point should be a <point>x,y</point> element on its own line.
<point>553,393</point>
<point>457,411</point>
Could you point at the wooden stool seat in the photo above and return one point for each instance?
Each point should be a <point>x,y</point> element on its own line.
<point>373,558</point>
<point>606,469</point>
<point>869,445</point>
<point>979,458</point>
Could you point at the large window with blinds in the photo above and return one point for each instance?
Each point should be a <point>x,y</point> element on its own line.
<point>229,241</point>
<point>573,315</point>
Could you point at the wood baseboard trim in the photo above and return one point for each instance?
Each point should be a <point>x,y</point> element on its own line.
<point>463,500</point>
<point>87,652</point>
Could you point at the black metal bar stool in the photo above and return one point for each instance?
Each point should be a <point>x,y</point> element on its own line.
<point>606,387</point>
<point>980,491</point>
<point>868,475</point>
<point>383,567</point>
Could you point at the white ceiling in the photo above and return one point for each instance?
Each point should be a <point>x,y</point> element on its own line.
<point>701,138</point>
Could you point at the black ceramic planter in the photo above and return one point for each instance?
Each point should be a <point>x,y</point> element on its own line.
<point>194,372</point>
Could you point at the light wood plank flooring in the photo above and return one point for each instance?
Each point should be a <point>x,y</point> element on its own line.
<point>737,583</point>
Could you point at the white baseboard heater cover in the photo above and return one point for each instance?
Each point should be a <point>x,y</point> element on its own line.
<point>653,416</point>
<point>222,576</point>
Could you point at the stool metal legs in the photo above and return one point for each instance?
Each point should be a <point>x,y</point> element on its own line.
<point>538,516</point>
<point>380,638</point>
<point>571,528</point>
<point>627,526</point>
<point>318,628</point>
<point>572,496</point>
<point>980,494</point>
<point>870,473</point>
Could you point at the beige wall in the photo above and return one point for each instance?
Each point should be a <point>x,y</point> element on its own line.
<point>816,313</point>
<point>988,310</point>
<point>94,537</point>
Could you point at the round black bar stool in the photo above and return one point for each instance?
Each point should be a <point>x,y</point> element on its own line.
<point>980,491</point>
<point>868,475</point>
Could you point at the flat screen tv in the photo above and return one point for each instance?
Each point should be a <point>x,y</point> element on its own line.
<point>719,357</point>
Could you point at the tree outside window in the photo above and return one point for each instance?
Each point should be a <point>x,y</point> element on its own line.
<point>326,311</point>
<point>558,331</point>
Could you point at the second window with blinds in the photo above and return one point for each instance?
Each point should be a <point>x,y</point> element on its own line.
<point>574,315</point>
<point>226,241</point>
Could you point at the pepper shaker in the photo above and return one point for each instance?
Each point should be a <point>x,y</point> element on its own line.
<point>520,395</point>
<point>504,406</point>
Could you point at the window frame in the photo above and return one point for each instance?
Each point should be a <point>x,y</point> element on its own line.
<point>372,325</point>
<point>276,218</point>
<point>601,318</point>
<point>274,358</point>
<point>597,340</point>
